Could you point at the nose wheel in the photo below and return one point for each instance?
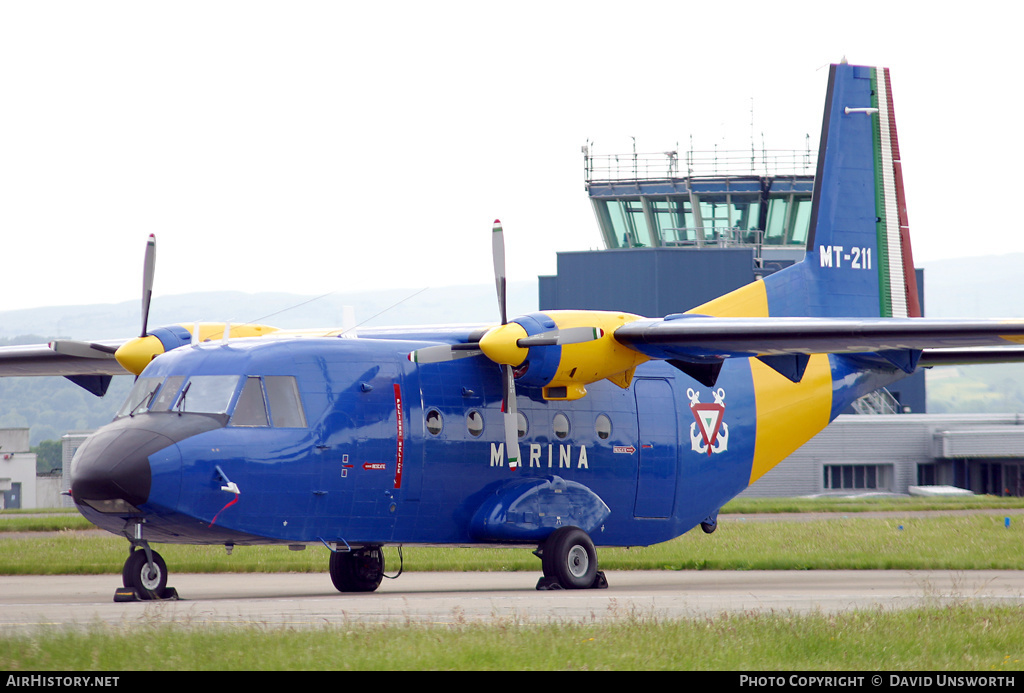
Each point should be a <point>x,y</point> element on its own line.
<point>144,577</point>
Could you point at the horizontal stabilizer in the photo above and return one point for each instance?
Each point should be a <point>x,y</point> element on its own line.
<point>970,356</point>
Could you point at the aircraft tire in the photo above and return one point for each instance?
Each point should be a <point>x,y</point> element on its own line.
<point>569,557</point>
<point>136,575</point>
<point>360,570</point>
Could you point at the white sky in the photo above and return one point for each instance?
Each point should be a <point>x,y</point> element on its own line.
<point>317,147</point>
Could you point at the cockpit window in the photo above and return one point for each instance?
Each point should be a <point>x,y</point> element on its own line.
<point>207,394</point>
<point>250,409</point>
<point>285,405</point>
<point>168,393</point>
<point>271,400</point>
<point>140,398</point>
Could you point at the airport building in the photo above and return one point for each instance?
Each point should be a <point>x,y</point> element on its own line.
<point>681,229</point>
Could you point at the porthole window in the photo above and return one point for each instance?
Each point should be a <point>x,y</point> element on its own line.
<point>434,424</point>
<point>524,425</point>
<point>603,426</point>
<point>475,423</point>
<point>561,426</point>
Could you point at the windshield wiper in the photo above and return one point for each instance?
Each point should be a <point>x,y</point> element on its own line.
<point>181,398</point>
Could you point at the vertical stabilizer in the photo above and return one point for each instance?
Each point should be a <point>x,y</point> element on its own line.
<point>859,261</point>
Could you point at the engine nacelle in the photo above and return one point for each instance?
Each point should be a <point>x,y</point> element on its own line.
<point>563,371</point>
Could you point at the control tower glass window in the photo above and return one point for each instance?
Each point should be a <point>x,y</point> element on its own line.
<point>789,220</point>
<point>729,219</point>
<point>628,226</point>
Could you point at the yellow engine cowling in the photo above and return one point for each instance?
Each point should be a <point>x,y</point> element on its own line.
<point>136,354</point>
<point>579,364</point>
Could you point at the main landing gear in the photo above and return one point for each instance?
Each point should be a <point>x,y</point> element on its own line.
<point>569,561</point>
<point>358,570</point>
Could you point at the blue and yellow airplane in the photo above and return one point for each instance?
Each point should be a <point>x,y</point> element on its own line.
<point>560,430</point>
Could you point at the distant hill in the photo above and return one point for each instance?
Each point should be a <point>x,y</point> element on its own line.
<point>394,307</point>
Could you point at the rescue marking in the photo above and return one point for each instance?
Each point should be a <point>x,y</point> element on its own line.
<point>400,438</point>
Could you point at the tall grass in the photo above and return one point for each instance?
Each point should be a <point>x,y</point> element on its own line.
<point>955,638</point>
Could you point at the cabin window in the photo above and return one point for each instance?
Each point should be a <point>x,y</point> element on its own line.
<point>475,423</point>
<point>603,426</point>
<point>250,409</point>
<point>434,423</point>
<point>561,426</point>
<point>523,424</point>
<point>285,404</point>
<point>207,394</point>
<point>140,398</point>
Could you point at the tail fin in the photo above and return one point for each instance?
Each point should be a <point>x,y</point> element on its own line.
<point>858,261</point>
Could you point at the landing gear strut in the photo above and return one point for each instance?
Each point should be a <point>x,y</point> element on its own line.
<point>569,561</point>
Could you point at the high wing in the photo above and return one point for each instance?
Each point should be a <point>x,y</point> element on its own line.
<point>60,358</point>
<point>89,365</point>
<point>691,337</point>
<point>698,345</point>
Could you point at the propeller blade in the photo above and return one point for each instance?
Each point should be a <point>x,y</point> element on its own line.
<point>84,350</point>
<point>148,270</point>
<point>568,335</point>
<point>508,405</point>
<point>444,352</point>
<point>498,253</point>
<point>511,417</point>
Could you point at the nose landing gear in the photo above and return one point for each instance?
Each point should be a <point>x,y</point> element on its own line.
<point>144,576</point>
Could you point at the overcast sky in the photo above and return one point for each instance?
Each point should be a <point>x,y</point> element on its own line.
<point>316,147</point>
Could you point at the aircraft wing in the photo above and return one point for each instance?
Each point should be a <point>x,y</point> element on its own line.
<point>699,338</point>
<point>61,357</point>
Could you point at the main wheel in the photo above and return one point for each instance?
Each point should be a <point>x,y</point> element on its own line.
<point>360,570</point>
<point>136,574</point>
<point>569,557</point>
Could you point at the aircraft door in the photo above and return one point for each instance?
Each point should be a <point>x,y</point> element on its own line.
<point>658,448</point>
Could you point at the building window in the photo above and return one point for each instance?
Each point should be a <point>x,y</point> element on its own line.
<point>853,476</point>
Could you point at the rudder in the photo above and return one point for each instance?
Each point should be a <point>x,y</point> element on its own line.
<point>859,261</point>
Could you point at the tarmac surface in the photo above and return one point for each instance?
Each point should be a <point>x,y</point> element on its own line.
<point>310,600</point>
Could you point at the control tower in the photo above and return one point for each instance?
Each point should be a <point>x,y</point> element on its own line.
<point>680,229</point>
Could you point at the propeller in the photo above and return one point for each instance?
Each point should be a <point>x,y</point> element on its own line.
<point>99,350</point>
<point>148,270</point>
<point>508,379</point>
<point>507,345</point>
<point>135,354</point>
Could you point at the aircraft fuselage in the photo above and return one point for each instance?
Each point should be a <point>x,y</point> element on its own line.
<point>382,450</point>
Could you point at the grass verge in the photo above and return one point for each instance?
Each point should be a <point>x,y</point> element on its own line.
<point>955,638</point>
<point>955,542</point>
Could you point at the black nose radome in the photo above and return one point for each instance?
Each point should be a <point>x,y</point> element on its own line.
<point>113,464</point>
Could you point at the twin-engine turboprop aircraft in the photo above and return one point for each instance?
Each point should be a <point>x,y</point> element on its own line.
<point>560,430</point>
